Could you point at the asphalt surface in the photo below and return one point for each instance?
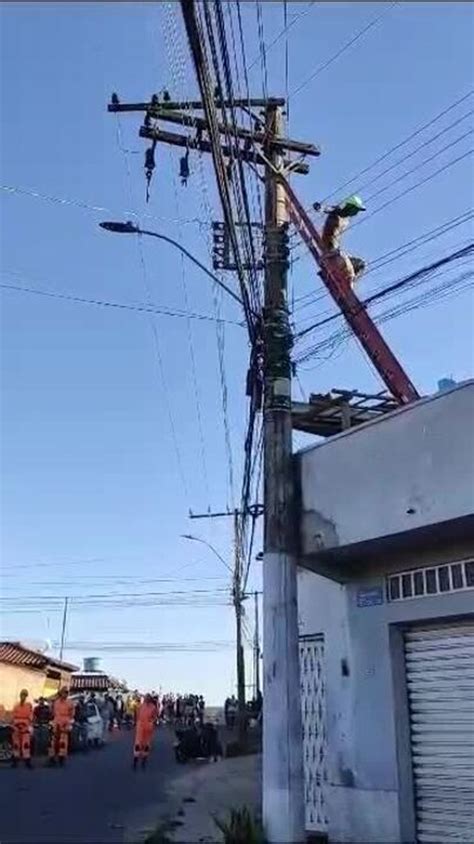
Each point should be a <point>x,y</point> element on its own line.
<point>97,797</point>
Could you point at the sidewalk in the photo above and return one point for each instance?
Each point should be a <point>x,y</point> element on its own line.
<point>208,789</point>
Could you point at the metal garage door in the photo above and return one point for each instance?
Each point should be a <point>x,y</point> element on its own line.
<point>440,678</point>
<point>314,730</point>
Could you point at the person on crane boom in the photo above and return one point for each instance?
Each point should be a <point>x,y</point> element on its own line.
<point>337,221</point>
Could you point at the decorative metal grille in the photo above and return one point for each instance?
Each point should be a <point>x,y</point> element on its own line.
<point>312,681</point>
<point>432,580</point>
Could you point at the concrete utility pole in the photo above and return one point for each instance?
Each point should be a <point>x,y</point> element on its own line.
<point>256,648</point>
<point>63,628</point>
<point>283,792</point>
<point>239,610</point>
<point>238,598</point>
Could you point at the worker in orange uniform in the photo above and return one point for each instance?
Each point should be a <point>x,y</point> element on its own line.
<point>147,714</point>
<point>63,717</point>
<point>336,223</point>
<point>22,722</point>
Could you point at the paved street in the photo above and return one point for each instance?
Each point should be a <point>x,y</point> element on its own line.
<point>96,798</point>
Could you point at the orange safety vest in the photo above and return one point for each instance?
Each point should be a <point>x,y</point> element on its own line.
<point>147,715</point>
<point>63,712</point>
<point>22,715</point>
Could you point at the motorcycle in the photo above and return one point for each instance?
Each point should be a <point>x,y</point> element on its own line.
<point>6,745</point>
<point>79,740</point>
<point>197,744</point>
<point>41,737</point>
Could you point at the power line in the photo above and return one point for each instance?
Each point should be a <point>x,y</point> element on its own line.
<point>395,254</point>
<point>155,336</point>
<point>78,203</point>
<point>174,48</point>
<point>195,37</point>
<point>245,216</point>
<point>287,61</point>
<point>415,186</point>
<point>343,49</point>
<point>150,647</point>
<point>192,356</point>
<point>406,157</point>
<point>421,273</point>
<point>107,595</point>
<point>446,289</point>
<point>400,144</point>
<point>125,306</point>
<point>284,31</point>
<point>334,339</point>
<point>255,182</point>
<point>263,54</point>
<point>420,165</point>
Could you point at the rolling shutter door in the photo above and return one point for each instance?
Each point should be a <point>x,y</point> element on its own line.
<point>440,680</point>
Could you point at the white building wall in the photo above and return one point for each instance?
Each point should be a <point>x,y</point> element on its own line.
<point>369,796</point>
<point>361,797</point>
<point>411,469</point>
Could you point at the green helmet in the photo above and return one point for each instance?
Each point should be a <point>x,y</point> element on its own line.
<point>353,203</point>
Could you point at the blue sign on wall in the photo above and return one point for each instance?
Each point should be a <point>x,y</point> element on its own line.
<point>370,597</point>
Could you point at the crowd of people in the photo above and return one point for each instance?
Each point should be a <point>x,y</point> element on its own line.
<point>53,721</point>
<point>253,709</point>
<point>183,709</point>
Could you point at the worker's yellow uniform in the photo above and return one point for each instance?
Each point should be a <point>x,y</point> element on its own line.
<point>22,720</point>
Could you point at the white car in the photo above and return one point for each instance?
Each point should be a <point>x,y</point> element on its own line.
<point>95,725</point>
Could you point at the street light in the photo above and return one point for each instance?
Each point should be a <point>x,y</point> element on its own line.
<point>130,228</point>
<point>238,598</point>
<point>208,545</point>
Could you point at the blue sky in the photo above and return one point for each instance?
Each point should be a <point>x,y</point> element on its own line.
<point>92,498</point>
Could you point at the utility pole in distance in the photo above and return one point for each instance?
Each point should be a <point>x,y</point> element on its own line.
<point>256,648</point>
<point>63,628</point>
<point>283,792</point>
<point>238,600</point>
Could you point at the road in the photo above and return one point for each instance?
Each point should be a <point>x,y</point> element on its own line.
<point>97,798</point>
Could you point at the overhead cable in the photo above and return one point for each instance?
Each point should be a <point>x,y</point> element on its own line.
<point>362,188</point>
<point>399,145</point>
<point>407,280</point>
<point>393,255</point>
<point>346,46</point>
<point>403,193</point>
<point>125,306</point>
<point>418,166</point>
<point>78,203</point>
<point>286,28</point>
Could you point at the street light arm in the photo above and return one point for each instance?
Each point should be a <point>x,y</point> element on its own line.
<point>194,260</point>
<point>131,228</point>
<point>211,547</point>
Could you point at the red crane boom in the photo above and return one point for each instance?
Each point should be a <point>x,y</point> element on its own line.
<point>355,313</point>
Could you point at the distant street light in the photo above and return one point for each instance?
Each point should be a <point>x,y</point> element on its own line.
<point>208,544</point>
<point>131,228</point>
<point>238,598</point>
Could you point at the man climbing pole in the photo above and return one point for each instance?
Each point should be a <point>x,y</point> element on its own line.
<point>337,221</point>
<point>22,722</point>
